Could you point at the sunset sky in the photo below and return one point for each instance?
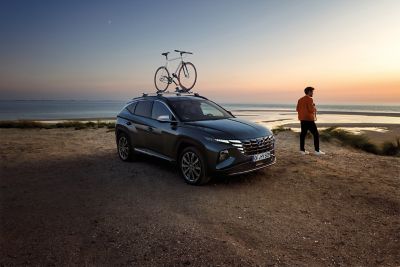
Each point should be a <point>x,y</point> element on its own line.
<point>245,51</point>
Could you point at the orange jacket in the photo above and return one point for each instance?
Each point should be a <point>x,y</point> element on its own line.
<point>306,109</point>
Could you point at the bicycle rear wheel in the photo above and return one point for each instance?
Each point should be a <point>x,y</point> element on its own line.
<point>162,79</point>
<point>187,76</point>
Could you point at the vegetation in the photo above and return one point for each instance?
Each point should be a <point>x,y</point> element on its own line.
<point>78,125</point>
<point>360,141</point>
<point>280,128</point>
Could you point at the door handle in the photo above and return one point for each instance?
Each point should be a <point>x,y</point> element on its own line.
<point>128,123</point>
<point>151,129</point>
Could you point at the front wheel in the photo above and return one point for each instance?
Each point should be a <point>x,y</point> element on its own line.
<point>192,166</point>
<point>187,76</point>
<point>162,79</point>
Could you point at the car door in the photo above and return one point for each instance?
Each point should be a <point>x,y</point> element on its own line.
<point>163,135</point>
<point>142,123</point>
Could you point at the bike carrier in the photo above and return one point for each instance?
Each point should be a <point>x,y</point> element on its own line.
<point>177,90</point>
<point>173,93</point>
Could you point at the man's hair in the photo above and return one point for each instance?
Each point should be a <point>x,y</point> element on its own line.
<point>308,89</point>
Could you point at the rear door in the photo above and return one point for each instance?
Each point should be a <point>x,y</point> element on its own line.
<point>142,123</point>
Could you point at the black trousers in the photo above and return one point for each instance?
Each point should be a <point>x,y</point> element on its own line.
<point>305,127</point>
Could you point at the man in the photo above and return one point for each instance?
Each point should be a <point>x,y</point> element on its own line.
<point>307,115</point>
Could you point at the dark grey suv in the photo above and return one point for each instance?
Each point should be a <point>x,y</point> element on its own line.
<point>202,137</point>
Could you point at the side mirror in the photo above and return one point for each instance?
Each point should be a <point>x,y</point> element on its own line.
<point>165,118</point>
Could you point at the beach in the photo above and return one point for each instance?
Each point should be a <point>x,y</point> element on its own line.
<point>103,110</point>
<point>67,199</point>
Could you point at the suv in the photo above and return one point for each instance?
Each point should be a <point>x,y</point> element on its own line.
<point>201,136</point>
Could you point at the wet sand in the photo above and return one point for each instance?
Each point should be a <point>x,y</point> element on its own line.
<point>357,113</point>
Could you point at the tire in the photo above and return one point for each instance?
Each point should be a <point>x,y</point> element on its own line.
<point>192,166</point>
<point>124,148</point>
<point>187,76</point>
<point>161,79</point>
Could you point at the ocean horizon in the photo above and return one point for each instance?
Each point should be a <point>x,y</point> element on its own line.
<point>95,109</point>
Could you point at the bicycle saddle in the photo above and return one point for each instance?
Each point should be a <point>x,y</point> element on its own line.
<point>165,54</point>
<point>183,52</point>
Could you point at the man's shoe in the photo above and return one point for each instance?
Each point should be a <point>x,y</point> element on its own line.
<point>305,152</point>
<point>318,153</point>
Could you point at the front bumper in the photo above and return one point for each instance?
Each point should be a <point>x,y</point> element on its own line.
<point>246,167</point>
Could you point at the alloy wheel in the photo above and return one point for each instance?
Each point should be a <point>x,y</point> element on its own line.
<point>123,148</point>
<point>191,166</point>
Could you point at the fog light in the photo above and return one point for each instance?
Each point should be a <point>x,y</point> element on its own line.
<point>223,155</point>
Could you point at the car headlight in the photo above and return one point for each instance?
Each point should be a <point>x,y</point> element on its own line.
<point>235,143</point>
<point>222,141</point>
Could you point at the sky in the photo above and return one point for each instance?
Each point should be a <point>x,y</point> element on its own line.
<point>244,51</point>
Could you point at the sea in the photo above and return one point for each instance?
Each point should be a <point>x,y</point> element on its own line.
<point>270,115</point>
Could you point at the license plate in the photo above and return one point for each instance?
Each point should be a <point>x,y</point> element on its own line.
<point>261,156</point>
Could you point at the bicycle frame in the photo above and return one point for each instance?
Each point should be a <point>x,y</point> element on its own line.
<point>177,68</point>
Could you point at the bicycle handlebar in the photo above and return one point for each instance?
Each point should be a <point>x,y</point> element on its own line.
<point>183,52</point>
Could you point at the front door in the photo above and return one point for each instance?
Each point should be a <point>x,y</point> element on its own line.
<point>163,135</point>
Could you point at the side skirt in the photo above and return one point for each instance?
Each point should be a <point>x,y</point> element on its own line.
<point>154,154</point>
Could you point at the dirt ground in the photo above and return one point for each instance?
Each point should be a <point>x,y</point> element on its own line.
<point>67,199</point>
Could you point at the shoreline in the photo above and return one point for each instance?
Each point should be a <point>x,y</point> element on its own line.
<point>102,119</point>
<point>237,112</point>
<point>347,125</point>
<point>358,113</point>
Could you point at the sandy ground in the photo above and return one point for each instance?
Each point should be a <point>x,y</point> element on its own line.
<point>66,199</point>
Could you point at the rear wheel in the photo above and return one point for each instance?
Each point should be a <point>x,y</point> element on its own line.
<point>162,79</point>
<point>192,166</point>
<point>187,76</point>
<point>125,150</point>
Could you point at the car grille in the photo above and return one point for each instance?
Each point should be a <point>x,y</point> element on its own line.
<point>257,145</point>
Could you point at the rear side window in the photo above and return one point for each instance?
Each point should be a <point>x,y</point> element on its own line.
<point>131,107</point>
<point>143,108</point>
<point>160,109</point>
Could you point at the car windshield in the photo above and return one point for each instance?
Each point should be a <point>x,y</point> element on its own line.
<point>198,110</point>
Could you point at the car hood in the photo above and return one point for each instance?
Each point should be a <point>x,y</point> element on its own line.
<point>232,128</point>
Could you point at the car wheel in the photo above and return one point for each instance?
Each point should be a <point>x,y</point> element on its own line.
<point>192,167</point>
<point>125,150</point>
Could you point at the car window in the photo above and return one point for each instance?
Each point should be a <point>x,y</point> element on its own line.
<point>197,110</point>
<point>160,109</point>
<point>143,108</point>
<point>131,107</point>
<point>210,111</point>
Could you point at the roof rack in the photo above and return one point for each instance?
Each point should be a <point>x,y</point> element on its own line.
<point>173,93</point>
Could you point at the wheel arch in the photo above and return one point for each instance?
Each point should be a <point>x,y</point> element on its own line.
<point>186,142</point>
<point>119,130</point>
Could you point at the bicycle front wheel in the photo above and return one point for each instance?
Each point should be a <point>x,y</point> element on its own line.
<point>187,76</point>
<point>162,79</point>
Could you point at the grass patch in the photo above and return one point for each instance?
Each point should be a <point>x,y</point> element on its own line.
<point>360,141</point>
<point>280,129</point>
<point>78,125</point>
<point>22,124</point>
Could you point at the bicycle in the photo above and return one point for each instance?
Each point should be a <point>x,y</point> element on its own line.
<point>185,74</point>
